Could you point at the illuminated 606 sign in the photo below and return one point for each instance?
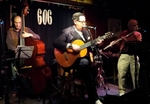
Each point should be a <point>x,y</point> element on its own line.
<point>44,17</point>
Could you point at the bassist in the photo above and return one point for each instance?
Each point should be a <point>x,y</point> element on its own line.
<point>12,41</point>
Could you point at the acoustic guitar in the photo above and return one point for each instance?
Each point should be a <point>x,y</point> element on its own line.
<point>67,58</point>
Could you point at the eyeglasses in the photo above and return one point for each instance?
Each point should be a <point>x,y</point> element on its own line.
<point>82,21</point>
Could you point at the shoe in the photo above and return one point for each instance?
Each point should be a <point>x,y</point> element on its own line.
<point>1,97</point>
<point>98,102</point>
<point>121,94</point>
<point>14,95</point>
<point>78,81</point>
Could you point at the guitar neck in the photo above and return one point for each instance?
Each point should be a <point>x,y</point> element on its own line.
<point>107,35</point>
<point>22,41</point>
<point>90,43</point>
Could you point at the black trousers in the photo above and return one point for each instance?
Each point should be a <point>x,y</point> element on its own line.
<point>88,75</point>
<point>1,85</point>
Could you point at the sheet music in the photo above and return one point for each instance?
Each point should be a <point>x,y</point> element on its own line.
<point>25,51</point>
<point>135,47</point>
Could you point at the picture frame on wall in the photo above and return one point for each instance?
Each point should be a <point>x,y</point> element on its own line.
<point>115,26</point>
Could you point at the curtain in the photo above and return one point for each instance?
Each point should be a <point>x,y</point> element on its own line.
<point>61,17</point>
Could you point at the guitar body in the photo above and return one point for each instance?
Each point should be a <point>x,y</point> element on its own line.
<point>66,59</point>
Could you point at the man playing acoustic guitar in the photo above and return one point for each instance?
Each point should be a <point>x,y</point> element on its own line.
<point>69,46</point>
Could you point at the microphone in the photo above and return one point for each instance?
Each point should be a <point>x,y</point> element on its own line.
<point>89,27</point>
<point>1,21</point>
<point>138,28</point>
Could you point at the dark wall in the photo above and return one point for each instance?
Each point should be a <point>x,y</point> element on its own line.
<point>61,18</point>
<point>125,10</point>
<point>97,15</point>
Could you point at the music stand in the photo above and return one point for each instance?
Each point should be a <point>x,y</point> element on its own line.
<point>135,48</point>
<point>23,52</point>
<point>3,64</point>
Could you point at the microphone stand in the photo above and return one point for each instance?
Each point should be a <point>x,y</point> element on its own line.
<point>4,66</point>
<point>98,61</point>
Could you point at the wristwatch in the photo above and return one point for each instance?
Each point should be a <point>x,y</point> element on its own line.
<point>70,45</point>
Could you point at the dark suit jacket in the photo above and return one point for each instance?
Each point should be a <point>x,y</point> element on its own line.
<point>68,36</point>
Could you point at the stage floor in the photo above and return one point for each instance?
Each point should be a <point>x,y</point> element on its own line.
<point>108,94</point>
<point>109,89</point>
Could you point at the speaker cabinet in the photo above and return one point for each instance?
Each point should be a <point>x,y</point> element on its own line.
<point>136,96</point>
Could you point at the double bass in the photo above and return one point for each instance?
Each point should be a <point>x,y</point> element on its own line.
<point>39,73</point>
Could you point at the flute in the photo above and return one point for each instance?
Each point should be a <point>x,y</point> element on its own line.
<point>116,41</point>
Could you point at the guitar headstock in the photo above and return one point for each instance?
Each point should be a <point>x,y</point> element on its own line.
<point>108,35</point>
